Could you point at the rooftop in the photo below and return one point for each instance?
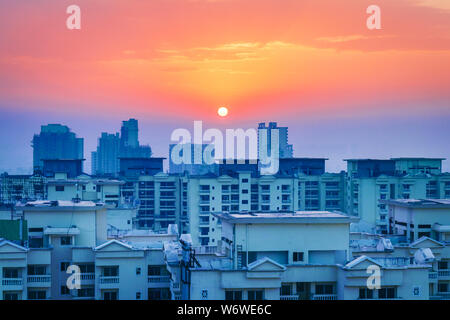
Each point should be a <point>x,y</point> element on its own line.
<point>61,204</point>
<point>419,203</point>
<point>291,217</point>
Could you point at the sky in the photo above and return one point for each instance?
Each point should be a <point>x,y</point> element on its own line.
<point>313,65</point>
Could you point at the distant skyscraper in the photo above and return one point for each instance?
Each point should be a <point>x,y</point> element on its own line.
<point>111,147</point>
<point>129,132</point>
<point>285,149</point>
<point>56,142</point>
<point>129,142</point>
<point>106,159</point>
<point>192,168</point>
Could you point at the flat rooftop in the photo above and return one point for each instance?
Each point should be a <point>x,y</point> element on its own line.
<point>60,205</point>
<point>282,217</point>
<point>419,203</point>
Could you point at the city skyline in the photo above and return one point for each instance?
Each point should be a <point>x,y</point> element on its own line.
<point>331,146</point>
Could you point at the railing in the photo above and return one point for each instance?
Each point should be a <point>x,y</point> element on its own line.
<point>12,282</point>
<point>87,276</point>
<point>39,278</point>
<point>177,297</point>
<point>444,273</point>
<point>325,297</point>
<point>108,280</point>
<point>432,275</point>
<point>289,297</point>
<point>205,250</point>
<point>158,279</point>
<point>444,295</point>
<point>176,285</point>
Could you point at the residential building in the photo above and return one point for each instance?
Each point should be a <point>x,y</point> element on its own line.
<point>21,188</point>
<point>370,181</point>
<point>56,141</point>
<point>105,160</point>
<point>190,164</point>
<point>265,132</point>
<point>129,142</point>
<point>424,224</point>
<point>291,256</point>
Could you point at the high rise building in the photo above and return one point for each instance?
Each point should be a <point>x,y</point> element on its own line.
<point>111,147</point>
<point>55,141</point>
<point>285,149</point>
<point>371,181</point>
<point>129,133</point>
<point>106,159</point>
<point>191,167</point>
<point>129,142</point>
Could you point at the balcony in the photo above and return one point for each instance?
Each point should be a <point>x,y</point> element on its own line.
<point>175,287</point>
<point>441,296</point>
<point>432,275</point>
<point>159,279</point>
<point>12,282</point>
<point>289,297</point>
<point>87,278</point>
<point>444,274</point>
<point>43,280</point>
<point>108,280</point>
<point>325,297</point>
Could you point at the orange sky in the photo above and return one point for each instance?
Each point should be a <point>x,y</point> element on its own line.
<point>184,58</point>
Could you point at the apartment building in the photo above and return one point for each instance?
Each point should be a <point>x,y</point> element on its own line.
<point>424,225</point>
<point>370,181</point>
<point>240,188</point>
<point>290,256</point>
<point>159,199</point>
<point>86,188</point>
<point>112,263</point>
<point>21,188</point>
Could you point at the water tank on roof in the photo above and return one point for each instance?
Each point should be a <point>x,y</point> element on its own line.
<point>424,255</point>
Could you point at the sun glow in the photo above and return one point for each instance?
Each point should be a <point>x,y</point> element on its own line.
<point>222,111</point>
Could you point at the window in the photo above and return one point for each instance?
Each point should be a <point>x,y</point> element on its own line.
<point>255,295</point>
<point>386,293</point>
<point>138,271</point>
<point>324,289</point>
<point>110,295</point>
<point>365,293</point>
<point>64,290</point>
<point>233,295</point>
<point>64,266</point>
<point>66,241</point>
<point>442,265</point>
<point>154,271</point>
<point>87,268</point>
<point>138,295</point>
<point>443,287</point>
<point>86,292</point>
<point>244,180</point>
<point>298,256</point>
<point>286,290</point>
<point>35,270</point>
<point>36,295</point>
<point>10,273</point>
<point>59,188</point>
<point>112,271</point>
<point>10,296</point>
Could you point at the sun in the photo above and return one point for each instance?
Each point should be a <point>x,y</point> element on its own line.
<point>222,111</point>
